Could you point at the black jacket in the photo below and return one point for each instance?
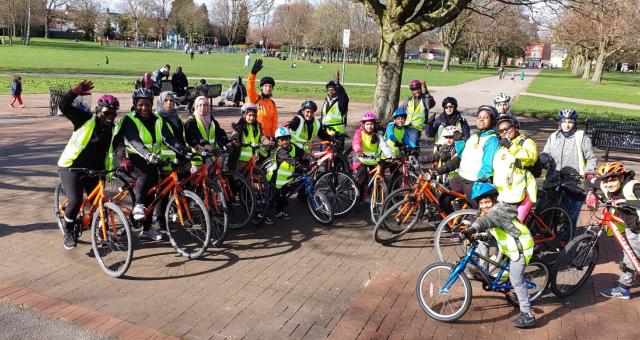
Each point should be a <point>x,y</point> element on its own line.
<point>129,131</point>
<point>193,136</point>
<point>179,83</point>
<point>629,216</point>
<point>341,99</point>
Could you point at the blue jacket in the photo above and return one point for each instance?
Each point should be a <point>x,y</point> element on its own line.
<point>490,148</point>
<point>388,135</point>
<point>16,88</point>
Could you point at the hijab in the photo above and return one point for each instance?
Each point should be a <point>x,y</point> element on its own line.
<point>204,117</point>
<point>170,115</point>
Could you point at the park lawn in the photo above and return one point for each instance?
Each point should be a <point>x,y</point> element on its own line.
<point>547,108</point>
<point>68,57</point>
<point>616,86</point>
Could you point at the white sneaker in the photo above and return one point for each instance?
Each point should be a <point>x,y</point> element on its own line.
<point>151,234</point>
<point>138,212</point>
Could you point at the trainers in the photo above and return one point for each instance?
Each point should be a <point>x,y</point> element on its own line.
<point>151,234</point>
<point>283,215</point>
<point>138,212</point>
<point>617,292</point>
<point>524,320</point>
<point>69,240</point>
<point>267,220</point>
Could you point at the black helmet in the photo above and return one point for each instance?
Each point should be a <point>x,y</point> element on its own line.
<point>508,118</point>
<point>493,113</point>
<point>267,80</point>
<point>142,93</point>
<point>309,104</point>
<point>450,100</point>
<point>331,83</point>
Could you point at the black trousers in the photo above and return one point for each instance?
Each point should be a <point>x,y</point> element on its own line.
<point>463,186</point>
<point>74,183</point>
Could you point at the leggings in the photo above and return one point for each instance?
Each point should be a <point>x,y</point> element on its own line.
<point>463,186</point>
<point>74,183</point>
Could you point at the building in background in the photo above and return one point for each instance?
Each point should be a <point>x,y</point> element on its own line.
<point>538,56</point>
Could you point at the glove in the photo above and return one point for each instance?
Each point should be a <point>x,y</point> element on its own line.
<point>591,200</point>
<point>83,88</point>
<point>424,87</point>
<point>518,164</point>
<point>152,158</point>
<point>469,232</point>
<point>484,180</point>
<point>505,142</point>
<point>257,66</point>
<point>617,200</point>
<point>544,158</point>
<point>126,165</point>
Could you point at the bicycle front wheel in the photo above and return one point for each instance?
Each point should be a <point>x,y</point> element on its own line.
<point>378,194</point>
<point>574,265</point>
<point>443,305</point>
<point>341,190</point>
<point>536,278</point>
<point>241,201</point>
<point>111,240</point>
<point>447,243</point>
<point>188,224</point>
<point>557,219</point>
<point>218,212</point>
<point>396,221</point>
<point>118,190</point>
<point>320,207</point>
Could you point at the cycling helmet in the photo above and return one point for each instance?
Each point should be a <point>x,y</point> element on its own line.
<point>481,189</point>
<point>415,84</point>
<point>249,106</point>
<point>108,101</point>
<point>568,114</point>
<point>142,93</point>
<point>399,112</point>
<point>331,83</point>
<point>501,97</point>
<point>450,100</point>
<point>493,113</point>
<point>369,116</point>
<point>509,118</point>
<point>267,80</point>
<point>309,104</point>
<point>610,169</point>
<point>282,131</point>
<point>450,131</point>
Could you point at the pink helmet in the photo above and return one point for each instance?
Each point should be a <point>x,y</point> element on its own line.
<point>415,84</point>
<point>108,101</point>
<point>249,106</point>
<point>367,116</point>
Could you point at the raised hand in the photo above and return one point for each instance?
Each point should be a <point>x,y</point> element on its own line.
<point>83,88</point>
<point>257,66</point>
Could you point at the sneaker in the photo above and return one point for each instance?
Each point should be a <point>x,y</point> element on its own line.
<point>69,240</point>
<point>151,234</point>
<point>617,292</point>
<point>11,106</point>
<point>138,212</point>
<point>267,220</point>
<point>21,106</point>
<point>283,215</point>
<point>524,320</point>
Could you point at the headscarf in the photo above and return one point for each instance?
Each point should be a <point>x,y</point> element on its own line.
<point>171,115</point>
<point>204,117</point>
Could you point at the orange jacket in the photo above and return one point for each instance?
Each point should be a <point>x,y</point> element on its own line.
<point>267,111</point>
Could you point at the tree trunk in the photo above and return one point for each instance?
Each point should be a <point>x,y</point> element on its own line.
<point>586,69</point>
<point>389,75</point>
<point>597,72</point>
<point>447,59</point>
<point>576,61</point>
<point>26,39</point>
<point>46,27</point>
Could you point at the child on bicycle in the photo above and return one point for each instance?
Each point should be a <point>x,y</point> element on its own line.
<point>368,147</point>
<point>621,187</point>
<point>396,135</point>
<point>281,173</point>
<point>247,134</point>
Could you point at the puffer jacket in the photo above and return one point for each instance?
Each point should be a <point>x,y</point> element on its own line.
<point>563,150</point>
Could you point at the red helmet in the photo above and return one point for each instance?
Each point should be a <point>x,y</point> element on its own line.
<point>108,101</point>
<point>415,84</point>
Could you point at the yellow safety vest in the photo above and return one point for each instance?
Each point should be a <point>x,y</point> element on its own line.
<point>79,141</point>
<point>283,171</point>
<point>512,182</point>
<point>145,135</point>
<point>399,134</point>
<point>300,137</point>
<point>416,114</point>
<point>252,139</point>
<point>509,245</point>
<point>628,194</point>
<point>332,118</point>
<point>370,150</point>
<point>209,136</point>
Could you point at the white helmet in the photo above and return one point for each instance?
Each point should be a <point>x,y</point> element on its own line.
<point>450,131</point>
<point>501,97</point>
<point>283,132</point>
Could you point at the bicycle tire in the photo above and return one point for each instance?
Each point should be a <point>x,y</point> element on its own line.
<point>218,215</point>
<point>343,192</point>
<point>536,272</point>
<point>581,254</point>
<point>241,201</point>
<point>378,193</point>
<point>111,245</point>
<point>391,225</point>
<point>320,208</point>
<point>192,238</point>
<point>554,217</point>
<point>441,271</point>
<point>59,198</point>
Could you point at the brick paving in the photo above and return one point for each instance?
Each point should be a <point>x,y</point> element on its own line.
<point>289,280</point>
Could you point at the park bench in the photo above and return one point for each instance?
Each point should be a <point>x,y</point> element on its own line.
<point>622,137</point>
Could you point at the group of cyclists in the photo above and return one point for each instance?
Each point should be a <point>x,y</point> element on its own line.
<point>492,166</point>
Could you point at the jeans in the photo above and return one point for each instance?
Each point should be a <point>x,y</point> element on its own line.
<point>573,207</point>
<point>414,135</point>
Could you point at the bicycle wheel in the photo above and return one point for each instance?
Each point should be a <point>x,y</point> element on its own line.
<point>445,306</point>
<point>396,221</point>
<point>557,219</point>
<point>59,203</point>
<point>188,224</point>
<point>378,193</point>
<point>341,190</point>
<point>397,181</point>
<point>120,192</point>
<point>320,207</point>
<point>574,265</point>
<point>261,188</point>
<point>536,277</point>
<point>241,201</point>
<point>218,212</point>
<point>449,247</point>
<point>111,242</point>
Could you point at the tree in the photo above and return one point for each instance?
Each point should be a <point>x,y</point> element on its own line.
<point>138,11</point>
<point>292,21</point>
<point>51,6</point>
<point>233,15</point>
<point>450,35</point>
<point>160,14</point>
<point>84,14</point>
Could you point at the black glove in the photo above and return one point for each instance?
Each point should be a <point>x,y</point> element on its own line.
<point>518,164</point>
<point>257,66</point>
<point>469,232</point>
<point>505,142</point>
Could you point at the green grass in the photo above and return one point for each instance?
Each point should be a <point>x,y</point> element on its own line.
<point>68,57</point>
<point>547,108</point>
<point>615,87</point>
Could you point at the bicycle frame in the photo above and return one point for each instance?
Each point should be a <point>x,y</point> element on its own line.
<point>424,187</point>
<point>200,178</point>
<point>539,238</point>
<point>167,184</point>
<point>473,257</point>
<point>609,221</point>
<point>96,199</point>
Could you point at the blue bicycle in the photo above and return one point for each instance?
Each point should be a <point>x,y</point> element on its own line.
<point>444,290</point>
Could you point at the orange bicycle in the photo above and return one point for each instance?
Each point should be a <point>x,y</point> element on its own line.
<point>110,230</point>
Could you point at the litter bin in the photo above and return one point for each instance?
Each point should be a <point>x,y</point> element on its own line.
<point>55,96</point>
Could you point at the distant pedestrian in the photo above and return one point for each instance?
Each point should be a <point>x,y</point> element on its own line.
<point>16,91</point>
<point>192,54</point>
<point>247,60</point>
<point>521,75</point>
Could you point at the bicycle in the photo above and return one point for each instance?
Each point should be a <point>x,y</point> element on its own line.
<point>404,176</point>
<point>318,204</point>
<point>257,178</point>
<point>444,292</point>
<point>577,260</point>
<point>110,230</point>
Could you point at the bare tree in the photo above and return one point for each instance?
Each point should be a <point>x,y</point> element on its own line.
<point>138,10</point>
<point>51,6</point>
<point>160,15</point>
<point>451,34</point>
<point>227,14</point>
<point>84,14</point>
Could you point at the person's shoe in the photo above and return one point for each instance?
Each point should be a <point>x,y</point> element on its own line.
<point>267,220</point>
<point>70,240</point>
<point>138,212</point>
<point>524,320</point>
<point>283,215</point>
<point>617,292</point>
<point>151,234</point>
<point>21,106</point>
<point>11,106</point>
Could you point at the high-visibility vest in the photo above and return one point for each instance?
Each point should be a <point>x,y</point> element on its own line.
<point>301,138</point>
<point>582,162</point>
<point>210,137</point>
<point>509,245</point>
<point>514,183</point>
<point>251,138</point>
<point>282,171</point>
<point>167,154</point>
<point>332,118</point>
<point>399,134</point>
<point>79,141</point>
<point>370,150</point>
<point>145,135</point>
<point>472,154</point>
<point>628,194</point>
<point>416,114</point>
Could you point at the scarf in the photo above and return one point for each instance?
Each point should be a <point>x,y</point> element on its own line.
<point>204,117</point>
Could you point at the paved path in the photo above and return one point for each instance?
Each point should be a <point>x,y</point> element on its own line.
<point>289,280</point>
<point>585,101</point>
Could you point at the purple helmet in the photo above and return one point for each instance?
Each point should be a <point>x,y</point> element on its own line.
<point>415,84</point>
<point>369,116</point>
<point>108,101</point>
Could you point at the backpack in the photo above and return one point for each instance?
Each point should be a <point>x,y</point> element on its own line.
<point>537,167</point>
